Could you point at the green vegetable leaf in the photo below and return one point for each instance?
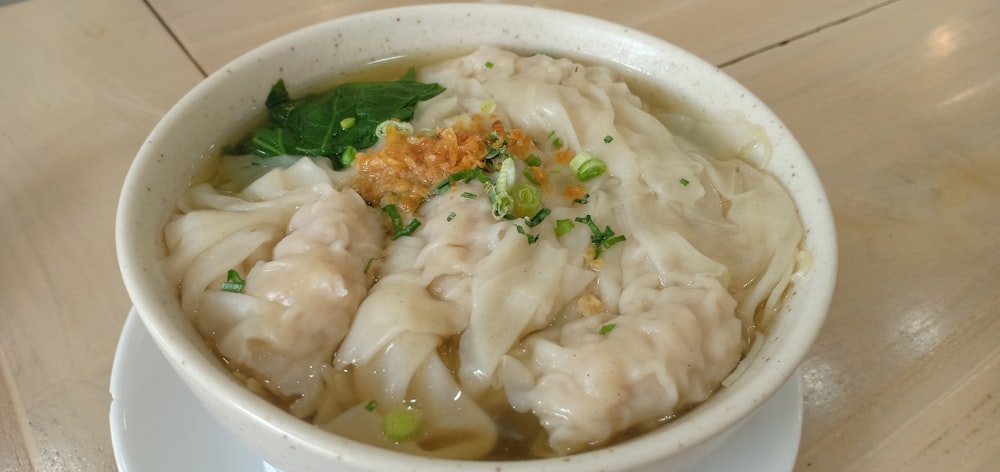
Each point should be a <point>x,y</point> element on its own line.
<point>328,123</point>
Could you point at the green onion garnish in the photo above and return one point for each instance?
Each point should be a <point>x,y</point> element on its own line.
<point>370,406</point>
<point>527,200</point>
<point>489,65</point>
<point>502,200</point>
<point>401,424</point>
<point>533,160</point>
<point>488,106</point>
<point>398,230</point>
<point>600,239</point>
<point>348,156</point>
<point>583,200</point>
<point>469,195</point>
<point>401,126</point>
<point>233,282</point>
<point>538,218</point>
<point>608,139</point>
<point>587,166</point>
<point>369,264</point>
<point>461,176</point>
<point>607,328</point>
<point>530,176</point>
<point>348,122</point>
<point>451,216</point>
<point>563,226</point>
<point>531,237</point>
<point>684,181</point>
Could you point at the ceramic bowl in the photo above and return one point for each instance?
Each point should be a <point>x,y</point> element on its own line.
<point>225,102</point>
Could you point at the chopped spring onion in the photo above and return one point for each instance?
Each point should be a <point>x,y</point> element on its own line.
<point>398,230</point>
<point>233,282</point>
<point>530,176</point>
<point>563,226</point>
<point>608,138</point>
<point>489,65</point>
<point>469,195</point>
<point>461,176</point>
<point>502,200</point>
<point>369,264</point>
<point>532,238</point>
<point>533,160</point>
<point>556,141</point>
<point>600,239</point>
<point>587,166</point>
<point>488,106</point>
<point>401,424</point>
<point>684,181</point>
<point>538,218</point>
<point>607,328</point>
<point>582,201</point>
<point>527,200</point>
<point>370,406</point>
<point>401,126</point>
<point>348,122</point>
<point>451,216</point>
<point>348,156</point>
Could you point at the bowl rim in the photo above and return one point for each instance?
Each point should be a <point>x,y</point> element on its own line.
<point>188,361</point>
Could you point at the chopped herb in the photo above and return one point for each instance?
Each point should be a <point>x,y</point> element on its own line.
<point>403,127</point>
<point>533,160</point>
<point>398,230</point>
<point>538,218</point>
<point>502,200</point>
<point>401,424</point>
<point>233,282</point>
<point>532,238</point>
<point>600,239</point>
<point>461,176</point>
<point>489,65</point>
<point>582,200</point>
<point>451,216</point>
<point>556,141</point>
<point>587,166</point>
<point>684,181</point>
<point>608,139</point>
<point>563,226</point>
<point>530,175</point>
<point>607,328</point>
<point>469,195</point>
<point>527,200</point>
<point>348,156</point>
<point>488,106</point>
<point>313,125</point>
<point>370,406</point>
<point>369,264</point>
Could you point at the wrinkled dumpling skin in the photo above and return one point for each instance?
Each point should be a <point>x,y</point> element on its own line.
<point>304,280</point>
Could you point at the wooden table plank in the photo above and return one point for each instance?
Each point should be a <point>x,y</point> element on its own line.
<point>898,110</point>
<point>718,30</point>
<point>76,107</point>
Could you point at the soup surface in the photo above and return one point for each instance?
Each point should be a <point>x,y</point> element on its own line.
<point>497,256</point>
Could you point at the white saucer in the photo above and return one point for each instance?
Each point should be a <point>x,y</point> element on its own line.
<point>158,425</point>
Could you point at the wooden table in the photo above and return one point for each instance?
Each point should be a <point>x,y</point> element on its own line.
<point>897,102</point>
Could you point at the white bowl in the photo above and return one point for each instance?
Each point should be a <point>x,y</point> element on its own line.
<point>224,102</point>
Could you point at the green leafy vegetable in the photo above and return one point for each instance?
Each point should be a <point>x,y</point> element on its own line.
<point>233,282</point>
<point>321,124</point>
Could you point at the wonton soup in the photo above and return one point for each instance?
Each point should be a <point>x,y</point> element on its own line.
<point>498,256</point>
